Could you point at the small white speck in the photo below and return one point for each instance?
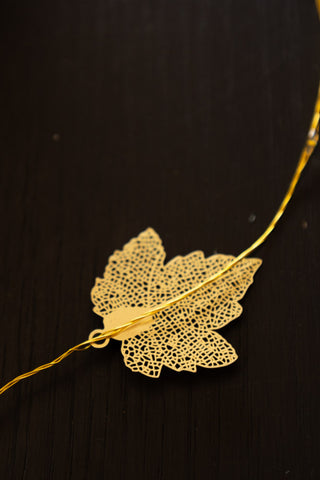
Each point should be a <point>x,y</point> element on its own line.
<point>252,218</point>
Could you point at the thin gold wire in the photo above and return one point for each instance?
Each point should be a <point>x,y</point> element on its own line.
<point>310,144</point>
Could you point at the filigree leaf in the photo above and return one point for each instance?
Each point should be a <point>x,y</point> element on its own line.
<point>180,337</point>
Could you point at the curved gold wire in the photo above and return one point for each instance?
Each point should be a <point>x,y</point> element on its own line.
<point>310,144</point>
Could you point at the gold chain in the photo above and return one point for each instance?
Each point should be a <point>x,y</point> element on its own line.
<point>310,144</point>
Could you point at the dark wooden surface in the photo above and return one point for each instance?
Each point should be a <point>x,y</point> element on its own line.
<point>187,116</point>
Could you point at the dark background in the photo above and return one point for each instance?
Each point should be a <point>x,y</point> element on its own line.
<point>187,116</point>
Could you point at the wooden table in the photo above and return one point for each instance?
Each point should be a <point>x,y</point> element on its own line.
<point>187,116</point>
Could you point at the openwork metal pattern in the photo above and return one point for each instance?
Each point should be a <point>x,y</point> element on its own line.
<point>151,338</point>
<point>182,336</point>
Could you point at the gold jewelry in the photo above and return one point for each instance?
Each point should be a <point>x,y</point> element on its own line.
<point>170,312</point>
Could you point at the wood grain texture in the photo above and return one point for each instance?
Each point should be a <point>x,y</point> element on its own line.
<point>195,111</point>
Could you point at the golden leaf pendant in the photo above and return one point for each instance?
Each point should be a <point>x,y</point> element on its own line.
<point>182,336</point>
